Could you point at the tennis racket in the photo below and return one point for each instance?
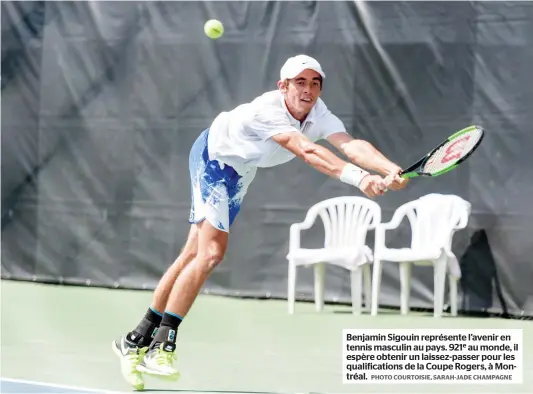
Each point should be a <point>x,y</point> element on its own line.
<point>448,155</point>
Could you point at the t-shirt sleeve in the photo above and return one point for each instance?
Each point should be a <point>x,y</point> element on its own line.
<point>330,124</point>
<point>270,121</point>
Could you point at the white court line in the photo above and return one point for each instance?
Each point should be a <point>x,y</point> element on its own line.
<point>61,386</point>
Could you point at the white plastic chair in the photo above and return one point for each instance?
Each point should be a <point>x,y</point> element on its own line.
<point>346,222</point>
<point>434,219</point>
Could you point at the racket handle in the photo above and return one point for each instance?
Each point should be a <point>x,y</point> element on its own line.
<point>409,175</point>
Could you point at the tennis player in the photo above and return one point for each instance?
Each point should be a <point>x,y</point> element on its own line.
<point>271,130</point>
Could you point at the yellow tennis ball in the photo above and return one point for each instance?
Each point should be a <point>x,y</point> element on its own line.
<point>213,29</point>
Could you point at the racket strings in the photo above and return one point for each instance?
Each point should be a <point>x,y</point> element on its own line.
<point>452,151</point>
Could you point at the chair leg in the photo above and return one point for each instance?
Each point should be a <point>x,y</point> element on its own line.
<point>405,287</point>
<point>439,277</point>
<point>291,293</point>
<point>356,284</point>
<point>320,277</point>
<point>453,295</point>
<point>367,278</point>
<point>376,281</point>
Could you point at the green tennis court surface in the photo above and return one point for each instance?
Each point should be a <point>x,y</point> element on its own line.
<point>62,336</point>
<point>27,387</point>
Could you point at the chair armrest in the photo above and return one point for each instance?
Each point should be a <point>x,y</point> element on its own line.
<point>461,225</point>
<point>397,218</point>
<point>465,215</point>
<point>294,238</point>
<point>296,229</point>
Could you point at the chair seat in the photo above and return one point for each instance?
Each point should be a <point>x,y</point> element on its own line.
<point>419,257</point>
<point>344,257</point>
<point>408,254</point>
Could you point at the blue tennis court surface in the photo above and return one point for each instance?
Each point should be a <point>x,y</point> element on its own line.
<point>25,386</point>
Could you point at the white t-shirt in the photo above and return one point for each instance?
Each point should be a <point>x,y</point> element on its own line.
<point>241,137</point>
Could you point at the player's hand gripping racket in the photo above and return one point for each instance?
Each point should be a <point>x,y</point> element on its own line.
<point>448,155</point>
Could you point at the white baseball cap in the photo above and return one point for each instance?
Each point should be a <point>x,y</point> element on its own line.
<point>296,64</point>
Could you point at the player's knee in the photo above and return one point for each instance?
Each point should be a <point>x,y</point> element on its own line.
<point>190,254</point>
<point>211,257</point>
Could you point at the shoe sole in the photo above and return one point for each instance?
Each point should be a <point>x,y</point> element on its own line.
<point>172,378</point>
<point>120,355</point>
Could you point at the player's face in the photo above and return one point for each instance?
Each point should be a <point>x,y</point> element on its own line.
<point>302,92</point>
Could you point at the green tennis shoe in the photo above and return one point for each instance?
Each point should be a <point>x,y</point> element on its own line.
<point>159,361</point>
<point>130,356</point>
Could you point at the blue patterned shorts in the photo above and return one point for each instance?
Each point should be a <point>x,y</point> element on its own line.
<point>216,193</point>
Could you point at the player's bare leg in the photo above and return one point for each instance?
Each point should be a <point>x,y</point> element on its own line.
<point>166,283</point>
<point>131,348</point>
<point>212,244</point>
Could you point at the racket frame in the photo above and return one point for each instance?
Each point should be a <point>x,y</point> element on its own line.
<point>412,172</point>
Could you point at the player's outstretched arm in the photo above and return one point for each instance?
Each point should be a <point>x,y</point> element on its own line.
<point>325,161</point>
<point>364,154</point>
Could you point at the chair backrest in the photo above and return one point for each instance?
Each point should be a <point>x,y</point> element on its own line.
<point>434,218</point>
<point>347,220</point>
